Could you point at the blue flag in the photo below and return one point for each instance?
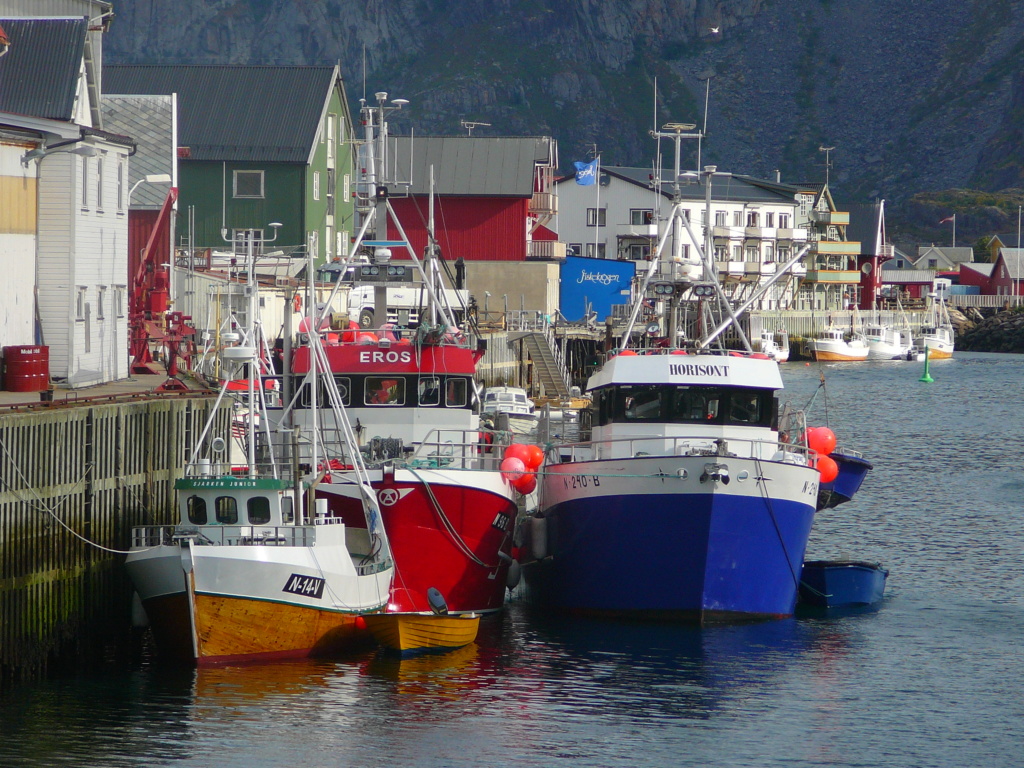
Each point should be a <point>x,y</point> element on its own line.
<point>586,173</point>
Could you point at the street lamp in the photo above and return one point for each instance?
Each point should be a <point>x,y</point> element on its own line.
<point>153,178</point>
<point>85,150</point>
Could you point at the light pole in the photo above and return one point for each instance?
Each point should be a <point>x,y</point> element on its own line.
<point>1017,291</point>
<point>153,178</point>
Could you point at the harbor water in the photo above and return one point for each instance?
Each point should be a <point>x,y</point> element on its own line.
<point>930,678</point>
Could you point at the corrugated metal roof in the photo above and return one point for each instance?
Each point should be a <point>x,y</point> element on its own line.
<point>470,165</point>
<point>907,275</point>
<point>39,75</point>
<point>148,120</point>
<point>259,114</point>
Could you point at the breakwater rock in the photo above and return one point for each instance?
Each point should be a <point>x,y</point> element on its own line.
<point>1003,332</point>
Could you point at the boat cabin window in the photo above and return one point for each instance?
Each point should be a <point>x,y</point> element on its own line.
<point>429,391</point>
<point>196,510</point>
<point>456,394</point>
<point>380,390</point>
<point>287,511</point>
<point>258,510</point>
<point>681,404</point>
<point>226,510</point>
<point>344,384</point>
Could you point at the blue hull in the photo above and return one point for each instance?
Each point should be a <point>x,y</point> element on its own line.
<point>673,556</point>
<point>841,583</point>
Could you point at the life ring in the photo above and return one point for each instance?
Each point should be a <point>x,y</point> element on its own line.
<point>297,302</point>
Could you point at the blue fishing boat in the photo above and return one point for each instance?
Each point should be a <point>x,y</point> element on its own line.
<point>842,583</point>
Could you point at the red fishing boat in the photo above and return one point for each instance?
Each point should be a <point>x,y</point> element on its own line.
<point>409,398</point>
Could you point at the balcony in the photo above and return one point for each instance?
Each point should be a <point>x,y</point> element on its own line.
<point>833,276</point>
<point>887,252</point>
<point>835,218</point>
<point>796,235</point>
<point>545,250</point>
<point>648,231</point>
<point>544,204</point>
<point>839,248</point>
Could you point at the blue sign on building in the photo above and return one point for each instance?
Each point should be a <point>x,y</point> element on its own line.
<point>599,283</point>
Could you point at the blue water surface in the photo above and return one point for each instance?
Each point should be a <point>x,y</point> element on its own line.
<point>930,678</point>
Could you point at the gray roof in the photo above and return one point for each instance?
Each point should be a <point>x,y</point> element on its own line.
<point>982,268</point>
<point>471,165</point>
<point>148,120</point>
<point>952,255</point>
<point>39,75</point>
<point>725,187</point>
<point>866,220</point>
<point>261,114</point>
<point>908,276</point>
<point>1014,260</point>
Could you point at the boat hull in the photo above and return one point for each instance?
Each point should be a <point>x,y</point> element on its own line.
<point>409,634</point>
<point>841,583</point>
<point>647,537</point>
<point>852,472</point>
<point>834,355</point>
<point>220,604</point>
<point>450,529</point>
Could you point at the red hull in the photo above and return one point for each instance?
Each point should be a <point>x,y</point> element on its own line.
<point>447,537</point>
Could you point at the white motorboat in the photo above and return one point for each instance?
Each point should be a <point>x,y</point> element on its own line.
<point>887,343</point>
<point>835,345</point>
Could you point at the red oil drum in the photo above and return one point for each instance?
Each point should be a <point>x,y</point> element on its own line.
<point>26,368</point>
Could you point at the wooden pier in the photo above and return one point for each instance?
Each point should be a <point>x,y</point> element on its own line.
<point>74,479</point>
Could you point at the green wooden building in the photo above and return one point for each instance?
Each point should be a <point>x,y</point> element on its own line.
<point>257,145</point>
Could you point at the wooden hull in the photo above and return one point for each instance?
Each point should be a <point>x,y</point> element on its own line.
<point>232,629</point>
<point>411,633</point>
<point>833,356</point>
<point>940,352</point>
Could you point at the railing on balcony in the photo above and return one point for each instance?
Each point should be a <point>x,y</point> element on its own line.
<point>845,276</point>
<point>887,252</point>
<point>834,218</point>
<point>544,204</point>
<point>839,247</point>
<point>545,250</point>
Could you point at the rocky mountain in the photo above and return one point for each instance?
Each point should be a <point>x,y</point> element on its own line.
<point>915,97</point>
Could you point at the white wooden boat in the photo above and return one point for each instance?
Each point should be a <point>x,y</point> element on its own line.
<point>832,345</point>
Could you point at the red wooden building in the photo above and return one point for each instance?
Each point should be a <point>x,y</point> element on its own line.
<point>492,196</point>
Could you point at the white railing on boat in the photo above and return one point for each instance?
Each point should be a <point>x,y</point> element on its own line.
<point>695,445</point>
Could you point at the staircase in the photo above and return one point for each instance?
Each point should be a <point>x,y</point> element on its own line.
<point>548,362</point>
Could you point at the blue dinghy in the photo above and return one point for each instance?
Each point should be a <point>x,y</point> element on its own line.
<point>841,583</point>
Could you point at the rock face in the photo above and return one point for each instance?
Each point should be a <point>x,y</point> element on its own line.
<point>1004,332</point>
<point>913,96</point>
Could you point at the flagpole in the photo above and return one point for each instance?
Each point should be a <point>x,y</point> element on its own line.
<point>954,230</point>
<point>597,210</point>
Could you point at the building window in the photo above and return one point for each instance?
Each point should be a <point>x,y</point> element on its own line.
<point>769,253</point>
<point>752,219</point>
<point>737,253</point>
<point>685,251</point>
<point>720,219</point>
<point>101,301</point>
<point>119,300</point>
<point>933,263</point>
<point>600,250</point>
<point>249,184</point>
<point>316,185</point>
<point>769,220</point>
<point>120,186</point>
<point>99,184</point>
<point>80,303</point>
<point>638,252</point>
<point>575,249</point>
<point>331,182</point>
<point>737,218</point>
<point>721,253</point>
<point>342,247</point>
<point>783,221</point>
<point>346,188</point>
<point>330,140</point>
<point>751,253</point>
<point>639,217</point>
<point>329,241</point>
<point>596,217</point>
<point>85,182</point>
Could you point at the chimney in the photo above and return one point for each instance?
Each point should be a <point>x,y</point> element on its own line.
<point>778,176</point>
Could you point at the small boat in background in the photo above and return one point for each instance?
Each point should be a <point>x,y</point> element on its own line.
<point>853,468</point>
<point>841,583</point>
<point>886,342</point>
<point>775,344</point>
<point>434,631</point>
<point>831,345</point>
<point>937,336</point>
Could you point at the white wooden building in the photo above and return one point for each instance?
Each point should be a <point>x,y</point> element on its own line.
<point>66,178</point>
